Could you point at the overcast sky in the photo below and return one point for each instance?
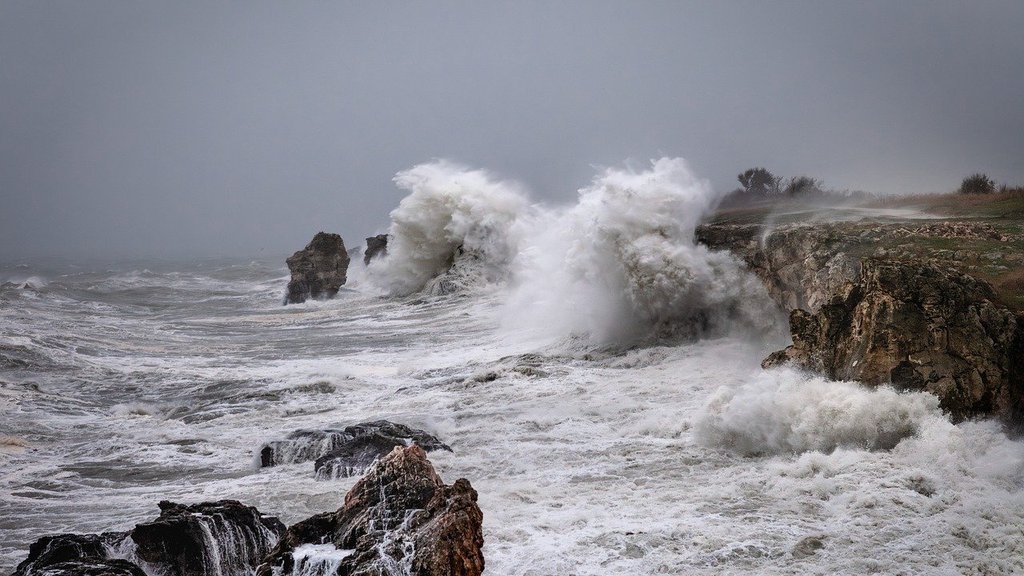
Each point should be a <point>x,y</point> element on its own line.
<point>215,128</point>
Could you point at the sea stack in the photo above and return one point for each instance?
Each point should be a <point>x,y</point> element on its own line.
<point>376,246</point>
<point>319,270</point>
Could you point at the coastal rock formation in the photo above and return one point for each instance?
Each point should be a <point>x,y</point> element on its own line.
<point>75,553</point>
<point>399,518</point>
<point>348,451</point>
<point>802,266</point>
<point>376,247</point>
<point>319,270</point>
<point>865,307</point>
<point>220,538</point>
<point>918,328</point>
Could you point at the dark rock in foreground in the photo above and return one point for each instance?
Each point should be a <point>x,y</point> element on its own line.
<point>400,514</point>
<point>348,451</point>
<point>59,553</point>
<point>918,328</point>
<point>319,270</point>
<point>213,538</point>
<point>376,247</point>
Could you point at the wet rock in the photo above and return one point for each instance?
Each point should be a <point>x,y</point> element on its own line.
<point>319,270</point>
<point>376,247</point>
<point>49,552</point>
<point>808,546</point>
<point>354,457</point>
<point>222,538</point>
<point>917,327</point>
<point>399,518</point>
<point>346,451</point>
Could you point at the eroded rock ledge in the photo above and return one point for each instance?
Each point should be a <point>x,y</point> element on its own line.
<point>861,313</point>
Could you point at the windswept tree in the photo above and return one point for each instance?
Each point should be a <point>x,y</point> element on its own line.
<point>977,184</point>
<point>802,185</point>
<point>759,182</point>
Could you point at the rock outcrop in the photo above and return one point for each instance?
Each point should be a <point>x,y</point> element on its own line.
<point>865,308</point>
<point>801,266</point>
<point>376,247</point>
<point>220,538</point>
<point>224,538</point>
<point>399,518</point>
<point>319,270</point>
<point>74,553</point>
<point>918,328</point>
<point>346,451</point>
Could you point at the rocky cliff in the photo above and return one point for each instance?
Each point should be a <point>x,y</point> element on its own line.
<point>868,305</point>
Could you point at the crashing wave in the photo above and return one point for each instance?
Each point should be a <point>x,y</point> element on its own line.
<point>455,222</point>
<point>784,411</point>
<point>623,263</point>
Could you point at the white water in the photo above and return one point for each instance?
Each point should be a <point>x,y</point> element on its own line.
<point>120,388</point>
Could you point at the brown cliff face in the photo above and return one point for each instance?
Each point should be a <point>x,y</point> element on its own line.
<point>885,320</point>
<point>399,514</point>
<point>319,270</point>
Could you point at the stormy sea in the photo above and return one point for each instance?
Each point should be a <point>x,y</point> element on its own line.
<point>596,373</point>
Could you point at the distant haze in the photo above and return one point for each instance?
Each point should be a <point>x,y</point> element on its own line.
<point>216,128</point>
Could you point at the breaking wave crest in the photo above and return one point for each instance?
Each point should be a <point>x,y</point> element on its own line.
<point>785,411</point>
<point>623,262</point>
<point>455,222</point>
<point>619,265</point>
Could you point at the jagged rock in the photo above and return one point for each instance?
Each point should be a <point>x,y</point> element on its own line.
<point>319,270</point>
<point>399,518</point>
<point>220,538</point>
<point>50,552</point>
<point>376,247</point>
<point>348,451</point>
<point>917,327</point>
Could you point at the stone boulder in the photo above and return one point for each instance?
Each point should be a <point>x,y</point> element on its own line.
<point>63,552</point>
<point>917,327</point>
<point>319,270</point>
<point>222,538</point>
<point>399,518</point>
<point>376,247</point>
<point>342,452</point>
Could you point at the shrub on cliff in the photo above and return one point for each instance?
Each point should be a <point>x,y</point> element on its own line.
<point>759,182</point>
<point>802,185</point>
<point>977,184</point>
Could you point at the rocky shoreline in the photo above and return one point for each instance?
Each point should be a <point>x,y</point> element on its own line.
<point>400,514</point>
<point>865,306</point>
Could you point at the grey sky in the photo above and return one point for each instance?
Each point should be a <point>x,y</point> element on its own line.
<point>242,128</point>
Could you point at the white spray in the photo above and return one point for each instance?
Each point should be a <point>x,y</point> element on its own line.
<point>452,215</point>
<point>623,263</point>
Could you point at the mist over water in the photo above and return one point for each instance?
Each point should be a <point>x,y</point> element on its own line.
<point>596,373</point>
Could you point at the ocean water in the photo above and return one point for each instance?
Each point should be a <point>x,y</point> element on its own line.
<point>596,374</point>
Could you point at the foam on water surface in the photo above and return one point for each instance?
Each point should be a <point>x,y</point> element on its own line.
<point>677,456</point>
